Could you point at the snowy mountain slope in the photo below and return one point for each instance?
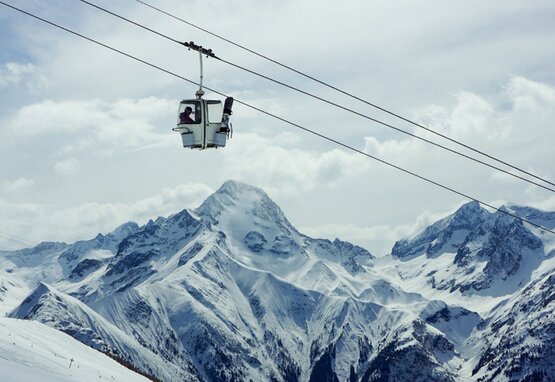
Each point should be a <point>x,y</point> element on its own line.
<point>51,262</point>
<point>518,336</point>
<point>12,289</point>
<point>20,271</point>
<point>215,298</point>
<point>142,314</point>
<point>139,256</point>
<point>99,248</point>
<point>445,235</point>
<point>31,351</point>
<point>485,256</point>
<point>500,268</point>
<point>232,291</point>
<point>69,315</point>
<point>254,325</point>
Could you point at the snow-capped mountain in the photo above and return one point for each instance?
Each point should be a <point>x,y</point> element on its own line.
<point>494,264</point>
<point>518,337</point>
<point>489,254</point>
<point>232,291</point>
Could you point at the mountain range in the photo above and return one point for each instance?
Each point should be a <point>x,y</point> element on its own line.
<point>231,291</point>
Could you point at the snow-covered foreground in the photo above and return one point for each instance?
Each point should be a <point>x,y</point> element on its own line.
<point>31,351</point>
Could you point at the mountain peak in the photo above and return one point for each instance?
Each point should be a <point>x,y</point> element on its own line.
<point>27,306</point>
<point>468,215</point>
<point>230,193</point>
<point>235,199</point>
<point>470,207</point>
<point>233,192</point>
<point>125,229</point>
<point>234,188</point>
<point>442,233</point>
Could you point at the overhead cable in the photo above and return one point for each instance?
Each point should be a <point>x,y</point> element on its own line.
<point>320,135</point>
<point>15,239</point>
<point>188,45</point>
<point>383,109</point>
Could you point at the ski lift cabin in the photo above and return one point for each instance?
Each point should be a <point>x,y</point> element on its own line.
<point>203,123</point>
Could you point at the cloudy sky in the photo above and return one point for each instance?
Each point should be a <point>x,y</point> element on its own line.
<point>86,141</point>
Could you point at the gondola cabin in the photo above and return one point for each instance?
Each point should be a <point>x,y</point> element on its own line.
<point>204,123</point>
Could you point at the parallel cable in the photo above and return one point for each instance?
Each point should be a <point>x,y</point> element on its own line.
<point>326,101</point>
<point>16,239</point>
<point>350,94</point>
<point>320,135</point>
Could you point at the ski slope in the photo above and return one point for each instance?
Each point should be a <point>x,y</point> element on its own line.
<point>31,351</point>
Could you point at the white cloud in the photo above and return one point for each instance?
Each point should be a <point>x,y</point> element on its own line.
<point>529,95</point>
<point>113,115</point>
<point>50,116</point>
<point>82,125</point>
<point>171,200</point>
<point>18,184</point>
<point>34,223</point>
<point>15,73</point>
<point>470,117</point>
<point>379,239</point>
<point>265,162</point>
<point>545,205</point>
<point>392,148</point>
<point>286,168</point>
<point>70,166</point>
<point>507,133</point>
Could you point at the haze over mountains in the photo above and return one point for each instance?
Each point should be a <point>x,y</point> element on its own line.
<point>232,291</point>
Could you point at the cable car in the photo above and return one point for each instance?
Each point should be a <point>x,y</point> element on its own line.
<point>203,123</point>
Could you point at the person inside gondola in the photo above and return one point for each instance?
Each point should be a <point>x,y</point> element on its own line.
<point>185,117</point>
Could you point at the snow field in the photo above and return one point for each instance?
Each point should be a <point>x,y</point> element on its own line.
<point>31,351</point>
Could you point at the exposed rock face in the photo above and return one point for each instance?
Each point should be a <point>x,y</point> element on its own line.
<point>502,244</point>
